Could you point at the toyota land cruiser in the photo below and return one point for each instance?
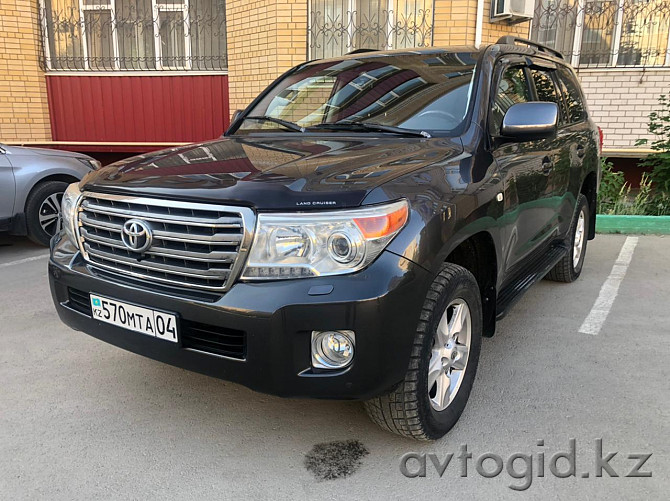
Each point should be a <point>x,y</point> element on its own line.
<point>353,235</point>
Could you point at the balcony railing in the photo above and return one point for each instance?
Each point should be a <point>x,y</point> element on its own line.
<point>605,33</point>
<point>126,35</point>
<point>340,26</point>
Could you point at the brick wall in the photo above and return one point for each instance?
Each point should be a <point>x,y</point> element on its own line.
<point>621,100</point>
<point>24,112</point>
<point>491,32</point>
<point>265,38</point>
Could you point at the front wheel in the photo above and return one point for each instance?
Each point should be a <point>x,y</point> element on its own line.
<point>43,207</point>
<point>443,363</point>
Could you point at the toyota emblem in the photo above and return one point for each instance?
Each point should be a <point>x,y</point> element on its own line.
<point>136,235</point>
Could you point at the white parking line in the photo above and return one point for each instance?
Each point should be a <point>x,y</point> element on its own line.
<point>608,292</point>
<point>25,260</point>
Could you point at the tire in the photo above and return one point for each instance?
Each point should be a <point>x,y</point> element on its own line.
<point>569,268</point>
<point>410,409</point>
<point>43,218</point>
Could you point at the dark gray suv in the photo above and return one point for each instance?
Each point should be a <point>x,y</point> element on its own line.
<point>358,230</point>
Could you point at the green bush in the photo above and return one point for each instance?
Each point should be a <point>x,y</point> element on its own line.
<point>659,160</point>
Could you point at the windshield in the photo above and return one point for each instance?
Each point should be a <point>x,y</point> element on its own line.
<point>419,91</point>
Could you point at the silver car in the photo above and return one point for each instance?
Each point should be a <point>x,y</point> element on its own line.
<point>32,183</point>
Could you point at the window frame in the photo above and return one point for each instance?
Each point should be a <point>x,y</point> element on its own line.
<point>157,7</point>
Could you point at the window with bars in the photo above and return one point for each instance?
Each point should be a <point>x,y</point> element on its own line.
<point>602,33</point>
<point>340,26</point>
<point>122,35</point>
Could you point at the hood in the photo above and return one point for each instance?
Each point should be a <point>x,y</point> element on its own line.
<point>24,150</point>
<point>306,172</point>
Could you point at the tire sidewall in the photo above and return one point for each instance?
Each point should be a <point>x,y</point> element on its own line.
<point>582,205</point>
<point>39,194</point>
<point>437,423</point>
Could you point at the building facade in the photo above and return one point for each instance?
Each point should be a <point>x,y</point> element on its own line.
<point>134,75</point>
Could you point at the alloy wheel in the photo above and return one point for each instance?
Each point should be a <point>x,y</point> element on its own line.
<point>449,354</point>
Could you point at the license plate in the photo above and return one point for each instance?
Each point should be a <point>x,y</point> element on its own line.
<point>135,318</point>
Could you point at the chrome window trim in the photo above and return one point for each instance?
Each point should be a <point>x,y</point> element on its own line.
<point>248,226</point>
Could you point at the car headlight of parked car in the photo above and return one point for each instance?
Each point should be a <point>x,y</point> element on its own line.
<point>90,163</point>
<point>291,245</point>
<point>69,206</point>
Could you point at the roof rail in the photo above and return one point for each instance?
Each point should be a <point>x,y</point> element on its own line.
<point>361,51</point>
<point>512,40</point>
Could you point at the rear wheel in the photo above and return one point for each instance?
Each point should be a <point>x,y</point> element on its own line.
<point>569,268</point>
<point>43,211</point>
<point>443,364</point>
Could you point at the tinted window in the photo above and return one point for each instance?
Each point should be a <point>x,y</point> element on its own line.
<point>546,90</point>
<point>573,97</point>
<point>544,86</point>
<point>512,89</point>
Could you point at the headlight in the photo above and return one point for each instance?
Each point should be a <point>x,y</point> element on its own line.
<point>298,245</point>
<point>90,163</point>
<point>69,211</point>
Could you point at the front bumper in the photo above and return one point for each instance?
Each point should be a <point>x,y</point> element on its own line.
<point>381,304</point>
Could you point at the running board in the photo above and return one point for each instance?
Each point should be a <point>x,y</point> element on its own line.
<point>535,272</point>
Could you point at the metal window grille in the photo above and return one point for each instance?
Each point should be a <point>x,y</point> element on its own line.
<point>340,26</point>
<point>602,33</point>
<point>123,35</point>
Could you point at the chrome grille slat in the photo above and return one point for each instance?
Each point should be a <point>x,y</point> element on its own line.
<point>163,268</point>
<point>147,216</point>
<point>194,245</point>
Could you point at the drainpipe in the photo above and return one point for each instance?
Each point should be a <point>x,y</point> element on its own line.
<point>480,23</point>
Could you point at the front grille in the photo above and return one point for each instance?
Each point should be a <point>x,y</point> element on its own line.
<point>213,339</point>
<point>194,245</point>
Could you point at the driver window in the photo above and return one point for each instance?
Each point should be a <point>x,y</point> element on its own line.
<point>512,89</point>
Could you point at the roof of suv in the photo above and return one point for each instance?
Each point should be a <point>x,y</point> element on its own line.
<point>507,44</point>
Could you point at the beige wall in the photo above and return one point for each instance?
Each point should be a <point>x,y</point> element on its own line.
<point>24,112</point>
<point>621,100</point>
<point>265,38</point>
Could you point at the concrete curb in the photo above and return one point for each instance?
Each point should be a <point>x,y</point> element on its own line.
<point>626,225</point>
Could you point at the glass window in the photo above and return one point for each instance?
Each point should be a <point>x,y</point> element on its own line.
<point>408,91</point>
<point>512,89</point>
<point>134,34</point>
<point>572,95</point>
<point>337,27</point>
<point>98,28</point>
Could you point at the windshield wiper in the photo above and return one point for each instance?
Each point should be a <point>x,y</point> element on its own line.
<point>279,121</point>
<point>370,127</point>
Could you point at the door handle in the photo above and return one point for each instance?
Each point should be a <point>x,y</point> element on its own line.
<point>581,150</point>
<point>547,165</point>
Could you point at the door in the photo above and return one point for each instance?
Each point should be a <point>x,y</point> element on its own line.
<point>526,224</point>
<point>7,187</point>
<point>556,149</point>
<point>579,142</point>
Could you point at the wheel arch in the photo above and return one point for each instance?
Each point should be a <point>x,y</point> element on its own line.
<point>65,178</point>
<point>478,255</point>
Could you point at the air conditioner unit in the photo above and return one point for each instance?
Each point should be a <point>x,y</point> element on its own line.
<point>512,11</point>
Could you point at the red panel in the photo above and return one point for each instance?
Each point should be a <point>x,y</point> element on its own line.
<point>138,109</point>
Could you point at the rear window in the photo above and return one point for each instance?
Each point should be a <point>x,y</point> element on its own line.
<point>573,97</point>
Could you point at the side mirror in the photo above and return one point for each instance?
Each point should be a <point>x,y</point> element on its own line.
<point>529,121</point>
<point>236,115</point>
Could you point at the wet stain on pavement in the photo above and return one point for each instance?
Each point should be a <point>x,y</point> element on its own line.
<point>333,460</point>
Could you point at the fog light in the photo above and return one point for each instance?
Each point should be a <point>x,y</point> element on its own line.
<point>332,349</point>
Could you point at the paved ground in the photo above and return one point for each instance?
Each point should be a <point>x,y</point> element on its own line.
<point>81,419</point>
